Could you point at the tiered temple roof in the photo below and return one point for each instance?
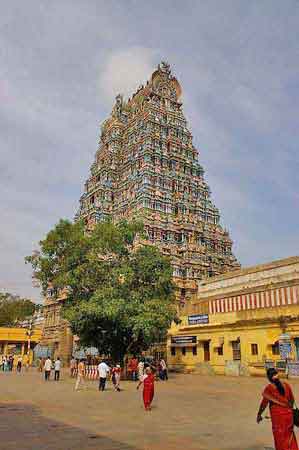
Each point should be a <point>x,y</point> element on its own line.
<point>147,167</point>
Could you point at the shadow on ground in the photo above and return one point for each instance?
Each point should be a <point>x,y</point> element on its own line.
<point>22,426</point>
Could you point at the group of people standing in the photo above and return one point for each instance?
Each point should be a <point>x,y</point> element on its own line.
<point>136,368</point>
<point>104,370</point>
<point>8,363</point>
<point>146,373</point>
<point>48,366</point>
<point>139,371</point>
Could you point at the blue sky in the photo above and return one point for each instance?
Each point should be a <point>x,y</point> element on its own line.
<point>61,65</point>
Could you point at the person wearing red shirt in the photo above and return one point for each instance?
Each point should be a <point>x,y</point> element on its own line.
<point>133,365</point>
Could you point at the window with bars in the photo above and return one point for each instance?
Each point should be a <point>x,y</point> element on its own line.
<point>236,350</point>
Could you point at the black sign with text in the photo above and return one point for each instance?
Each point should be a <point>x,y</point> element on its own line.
<point>196,319</point>
<point>183,340</point>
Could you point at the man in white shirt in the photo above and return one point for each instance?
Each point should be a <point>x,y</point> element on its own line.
<point>103,370</point>
<point>47,368</point>
<point>57,367</point>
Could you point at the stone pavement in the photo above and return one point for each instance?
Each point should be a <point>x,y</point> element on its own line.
<point>189,412</point>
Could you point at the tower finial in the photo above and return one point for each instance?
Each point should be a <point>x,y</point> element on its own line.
<point>164,67</point>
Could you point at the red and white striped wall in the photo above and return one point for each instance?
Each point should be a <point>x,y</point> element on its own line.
<point>266,299</point>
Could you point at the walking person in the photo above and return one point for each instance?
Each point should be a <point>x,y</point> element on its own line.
<point>57,367</point>
<point>156,368</point>
<point>116,372</point>
<point>133,368</point>
<point>73,363</point>
<point>6,364</point>
<point>148,381</point>
<point>19,364</point>
<point>10,362</point>
<point>140,369</point>
<point>26,362</point>
<point>48,368</point>
<point>81,375</point>
<point>103,370</point>
<point>280,398</point>
<point>41,365</point>
<point>164,372</point>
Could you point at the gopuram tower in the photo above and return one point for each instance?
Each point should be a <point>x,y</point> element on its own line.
<point>147,167</point>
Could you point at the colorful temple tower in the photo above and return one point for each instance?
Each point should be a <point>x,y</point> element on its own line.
<point>147,167</point>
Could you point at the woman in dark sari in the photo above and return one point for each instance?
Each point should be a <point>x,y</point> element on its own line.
<point>279,397</point>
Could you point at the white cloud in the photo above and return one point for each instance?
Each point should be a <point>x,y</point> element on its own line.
<point>125,70</point>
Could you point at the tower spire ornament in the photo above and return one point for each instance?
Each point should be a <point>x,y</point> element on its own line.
<point>164,67</point>
<point>147,167</point>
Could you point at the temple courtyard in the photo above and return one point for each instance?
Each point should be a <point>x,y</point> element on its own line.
<point>189,412</point>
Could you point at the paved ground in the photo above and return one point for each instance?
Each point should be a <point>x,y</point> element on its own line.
<point>189,412</point>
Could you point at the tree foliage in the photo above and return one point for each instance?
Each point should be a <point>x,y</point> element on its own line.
<point>14,308</point>
<point>119,295</point>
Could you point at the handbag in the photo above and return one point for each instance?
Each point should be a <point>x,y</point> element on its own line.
<point>295,415</point>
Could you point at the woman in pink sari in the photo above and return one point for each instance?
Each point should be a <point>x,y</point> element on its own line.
<point>279,397</point>
<point>148,381</point>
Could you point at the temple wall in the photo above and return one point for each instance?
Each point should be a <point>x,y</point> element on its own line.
<point>56,333</point>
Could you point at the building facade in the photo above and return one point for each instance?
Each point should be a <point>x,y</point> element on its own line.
<point>235,323</point>
<point>17,341</point>
<point>56,333</point>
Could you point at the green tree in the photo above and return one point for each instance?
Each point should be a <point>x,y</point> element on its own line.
<point>119,295</point>
<point>14,308</point>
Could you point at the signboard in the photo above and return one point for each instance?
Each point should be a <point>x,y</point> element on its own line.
<point>79,354</point>
<point>183,340</point>
<point>41,351</point>
<point>293,368</point>
<point>198,319</point>
<point>285,337</point>
<point>82,353</point>
<point>285,349</point>
<point>285,346</point>
<point>92,351</point>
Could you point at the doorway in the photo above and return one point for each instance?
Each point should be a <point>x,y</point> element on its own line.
<point>206,350</point>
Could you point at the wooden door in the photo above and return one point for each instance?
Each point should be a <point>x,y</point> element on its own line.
<point>206,350</point>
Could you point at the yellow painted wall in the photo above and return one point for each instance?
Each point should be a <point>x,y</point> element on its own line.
<point>17,335</point>
<point>261,327</point>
